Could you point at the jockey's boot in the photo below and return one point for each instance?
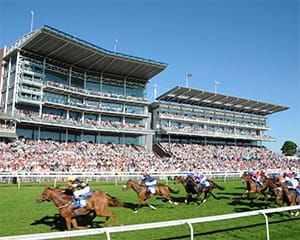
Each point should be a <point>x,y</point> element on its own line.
<point>148,195</point>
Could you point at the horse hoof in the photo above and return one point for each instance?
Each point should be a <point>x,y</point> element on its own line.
<point>175,203</point>
<point>135,211</point>
<point>186,201</point>
<point>296,214</point>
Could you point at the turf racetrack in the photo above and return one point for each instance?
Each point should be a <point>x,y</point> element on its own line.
<point>20,214</point>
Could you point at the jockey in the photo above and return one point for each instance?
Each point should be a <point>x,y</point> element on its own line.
<point>191,175</point>
<point>291,183</point>
<point>80,191</point>
<point>203,180</point>
<point>263,173</point>
<point>150,183</point>
<point>275,176</point>
<point>296,176</point>
<point>257,178</point>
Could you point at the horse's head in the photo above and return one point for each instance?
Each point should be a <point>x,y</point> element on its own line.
<point>245,177</point>
<point>46,195</point>
<point>179,180</point>
<point>127,185</point>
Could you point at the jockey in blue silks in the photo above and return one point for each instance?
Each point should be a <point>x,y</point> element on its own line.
<point>80,191</point>
<point>150,183</point>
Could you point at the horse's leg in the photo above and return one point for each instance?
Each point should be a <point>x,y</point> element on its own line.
<point>90,223</point>
<point>68,223</point>
<point>107,215</point>
<point>198,197</point>
<point>151,206</point>
<point>246,193</point>
<point>188,198</point>
<point>206,195</point>
<point>75,224</point>
<point>166,195</point>
<point>139,205</point>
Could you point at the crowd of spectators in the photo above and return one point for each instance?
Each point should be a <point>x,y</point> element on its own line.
<point>47,156</point>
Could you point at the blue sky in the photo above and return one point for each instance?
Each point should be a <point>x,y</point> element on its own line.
<point>251,47</point>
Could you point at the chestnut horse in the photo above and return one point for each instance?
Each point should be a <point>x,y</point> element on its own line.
<point>274,189</point>
<point>161,189</point>
<point>290,197</point>
<point>96,203</point>
<point>193,188</point>
<point>251,186</point>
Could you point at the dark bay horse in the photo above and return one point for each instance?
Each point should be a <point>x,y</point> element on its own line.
<point>141,191</point>
<point>193,188</point>
<point>96,203</point>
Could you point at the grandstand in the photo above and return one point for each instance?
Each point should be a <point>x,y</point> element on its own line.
<point>61,88</point>
<point>188,115</point>
<point>58,87</point>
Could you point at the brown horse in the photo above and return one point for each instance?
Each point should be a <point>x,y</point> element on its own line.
<point>290,197</point>
<point>161,189</point>
<point>274,189</point>
<point>96,203</point>
<point>191,187</point>
<point>251,186</point>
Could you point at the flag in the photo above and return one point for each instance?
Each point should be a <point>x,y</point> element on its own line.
<point>189,75</point>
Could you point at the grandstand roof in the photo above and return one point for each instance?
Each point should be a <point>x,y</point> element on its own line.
<point>55,44</point>
<point>184,95</point>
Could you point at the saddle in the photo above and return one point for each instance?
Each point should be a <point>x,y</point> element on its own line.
<point>81,201</point>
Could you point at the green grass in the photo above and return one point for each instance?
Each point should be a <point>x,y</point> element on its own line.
<point>20,214</point>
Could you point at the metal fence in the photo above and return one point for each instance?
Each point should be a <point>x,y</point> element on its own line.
<point>136,227</point>
<point>38,177</point>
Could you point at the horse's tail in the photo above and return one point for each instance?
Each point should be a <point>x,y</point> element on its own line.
<point>113,202</point>
<point>172,190</point>
<point>218,186</point>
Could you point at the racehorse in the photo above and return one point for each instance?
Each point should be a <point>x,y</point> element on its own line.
<point>274,189</point>
<point>161,189</point>
<point>96,203</point>
<point>290,197</point>
<point>193,188</point>
<point>251,186</point>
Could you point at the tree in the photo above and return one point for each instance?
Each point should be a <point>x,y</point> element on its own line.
<point>289,148</point>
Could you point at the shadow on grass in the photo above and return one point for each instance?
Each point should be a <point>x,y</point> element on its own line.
<point>57,222</point>
<point>210,234</point>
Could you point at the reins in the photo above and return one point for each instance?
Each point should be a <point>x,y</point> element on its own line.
<point>66,205</point>
<point>61,200</point>
<point>136,187</point>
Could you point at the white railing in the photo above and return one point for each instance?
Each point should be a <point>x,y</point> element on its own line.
<point>37,177</point>
<point>189,222</point>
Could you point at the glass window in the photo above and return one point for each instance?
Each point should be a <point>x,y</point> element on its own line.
<point>77,82</point>
<point>50,135</point>
<point>93,86</point>
<point>110,139</point>
<point>56,77</point>
<point>112,89</point>
<point>89,138</point>
<point>138,92</point>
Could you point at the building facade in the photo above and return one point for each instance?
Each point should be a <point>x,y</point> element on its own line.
<point>55,86</point>
<point>61,88</point>
<point>188,115</point>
